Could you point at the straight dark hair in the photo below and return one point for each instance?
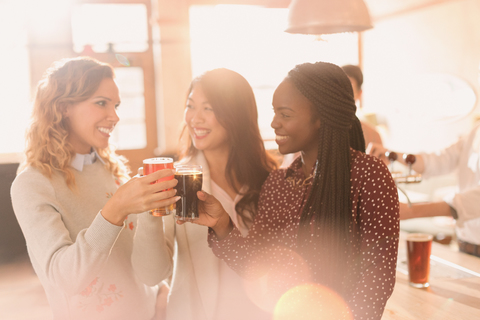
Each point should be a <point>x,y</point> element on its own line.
<point>354,72</point>
<point>328,204</point>
<point>233,102</point>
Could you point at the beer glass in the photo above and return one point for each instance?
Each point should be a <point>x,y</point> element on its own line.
<point>190,180</point>
<point>154,164</point>
<point>419,247</point>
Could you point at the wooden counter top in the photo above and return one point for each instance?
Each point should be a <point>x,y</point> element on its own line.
<point>454,291</point>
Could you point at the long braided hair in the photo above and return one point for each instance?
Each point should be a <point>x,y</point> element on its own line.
<point>328,205</point>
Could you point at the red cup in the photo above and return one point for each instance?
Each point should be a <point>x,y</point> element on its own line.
<point>150,166</point>
<point>419,248</point>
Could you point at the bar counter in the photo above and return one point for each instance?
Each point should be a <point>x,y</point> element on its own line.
<point>454,291</point>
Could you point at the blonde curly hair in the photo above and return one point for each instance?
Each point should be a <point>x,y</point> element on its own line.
<point>67,82</point>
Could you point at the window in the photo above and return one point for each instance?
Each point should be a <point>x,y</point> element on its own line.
<point>130,132</point>
<point>118,33</point>
<point>250,40</point>
<point>110,27</point>
<point>14,78</point>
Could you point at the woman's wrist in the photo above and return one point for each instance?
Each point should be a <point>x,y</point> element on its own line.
<point>223,226</point>
<point>111,215</point>
<point>430,209</point>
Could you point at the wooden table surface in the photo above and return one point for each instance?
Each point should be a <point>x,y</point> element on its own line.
<point>454,291</point>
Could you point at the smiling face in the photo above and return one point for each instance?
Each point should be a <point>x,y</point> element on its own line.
<point>206,132</point>
<point>296,126</point>
<point>91,121</point>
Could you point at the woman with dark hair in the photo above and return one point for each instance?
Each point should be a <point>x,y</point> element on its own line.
<point>355,75</point>
<point>224,138</point>
<point>330,219</point>
<point>222,99</point>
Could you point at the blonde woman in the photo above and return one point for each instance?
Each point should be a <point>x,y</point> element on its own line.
<point>74,200</point>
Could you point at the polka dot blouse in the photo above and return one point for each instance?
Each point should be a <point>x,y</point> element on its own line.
<point>269,250</point>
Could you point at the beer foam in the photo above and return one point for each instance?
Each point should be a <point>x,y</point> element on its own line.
<point>419,237</point>
<point>187,172</point>
<point>158,160</point>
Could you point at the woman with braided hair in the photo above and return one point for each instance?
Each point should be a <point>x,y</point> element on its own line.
<point>328,223</point>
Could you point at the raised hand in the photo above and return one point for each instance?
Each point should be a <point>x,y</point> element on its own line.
<point>212,214</point>
<point>139,195</point>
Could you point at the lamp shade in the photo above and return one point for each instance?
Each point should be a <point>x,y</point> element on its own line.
<point>327,16</point>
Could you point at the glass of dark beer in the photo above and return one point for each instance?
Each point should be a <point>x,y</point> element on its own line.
<point>150,166</point>
<point>190,180</point>
<point>419,247</point>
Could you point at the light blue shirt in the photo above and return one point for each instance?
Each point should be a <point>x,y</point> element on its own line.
<point>85,159</point>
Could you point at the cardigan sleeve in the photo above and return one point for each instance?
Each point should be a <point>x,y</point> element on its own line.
<point>68,264</point>
<point>152,256</point>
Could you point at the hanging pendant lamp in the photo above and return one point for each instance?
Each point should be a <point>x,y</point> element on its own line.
<point>327,16</point>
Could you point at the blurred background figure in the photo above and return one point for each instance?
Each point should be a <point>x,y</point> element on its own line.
<point>355,75</point>
<point>462,157</point>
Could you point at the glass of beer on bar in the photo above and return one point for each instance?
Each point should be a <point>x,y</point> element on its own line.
<point>419,248</point>
<point>190,180</point>
<point>154,164</point>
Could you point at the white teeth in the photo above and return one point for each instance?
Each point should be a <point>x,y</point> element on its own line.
<point>105,130</point>
<point>201,132</point>
<point>279,138</point>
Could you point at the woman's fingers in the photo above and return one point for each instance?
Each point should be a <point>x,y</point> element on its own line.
<point>163,185</point>
<point>159,200</point>
<point>209,208</point>
<point>167,194</point>
<point>157,175</point>
<point>376,150</point>
<point>371,149</point>
<point>165,202</point>
<point>202,195</point>
<point>208,199</point>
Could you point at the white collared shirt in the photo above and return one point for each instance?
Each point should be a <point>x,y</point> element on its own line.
<point>85,159</point>
<point>463,156</point>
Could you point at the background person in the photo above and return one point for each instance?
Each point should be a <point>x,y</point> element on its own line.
<point>72,200</point>
<point>331,218</point>
<point>355,75</point>
<point>222,136</point>
<point>463,205</point>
